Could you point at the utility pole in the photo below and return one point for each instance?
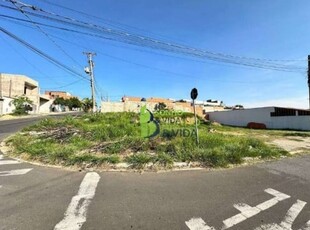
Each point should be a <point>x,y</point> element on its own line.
<point>309,78</point>
<point>90,70</point>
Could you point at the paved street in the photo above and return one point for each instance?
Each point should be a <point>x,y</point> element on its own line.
<point>273,195</point>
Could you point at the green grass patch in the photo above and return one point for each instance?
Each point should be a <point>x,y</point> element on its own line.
<point>111,138</point>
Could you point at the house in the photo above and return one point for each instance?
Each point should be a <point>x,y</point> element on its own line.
<point>45,104</point>
<point>270,117</point>
<point>13,85</point>
<point>133,104</point>
<point>56,94</point>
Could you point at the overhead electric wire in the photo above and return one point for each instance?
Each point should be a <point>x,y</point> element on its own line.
<point>64,86</point>
<point>40,71</point>
<point>47,35</point>
<point>104,20</point>
<point>54,27</point>
<point>42,54</point>
<point>17,20</point>
<point>30,63</point>
<point>106,38</point>
<point>152,67</point>
<point>133,39</point>
<point>156,41</point>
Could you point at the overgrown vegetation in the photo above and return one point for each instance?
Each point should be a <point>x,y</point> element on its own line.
<point>22,105</point>
<point>87,104</point>
<point>110,138</point>
<point>72,102</point>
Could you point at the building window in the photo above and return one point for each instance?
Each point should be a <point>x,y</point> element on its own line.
<point>281,112</point>
<point>303,113</point>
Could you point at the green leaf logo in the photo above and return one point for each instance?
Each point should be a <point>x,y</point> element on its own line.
<point>149,126</point>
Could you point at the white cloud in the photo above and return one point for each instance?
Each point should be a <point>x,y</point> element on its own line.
<point>298,102</point>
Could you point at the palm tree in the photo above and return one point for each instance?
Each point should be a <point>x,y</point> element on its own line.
<point>87,104</point>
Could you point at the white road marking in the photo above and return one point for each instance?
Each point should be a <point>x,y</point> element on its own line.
<point>248,211</point>
<point>75,215</point>
<point>198,224</point>
<point>307,227</point>
<point>292,213</point>
<point>9,162</point>
<point>1,157</point>
<point>0,186</point>
<point>15,172</point>
<point>289,219</point>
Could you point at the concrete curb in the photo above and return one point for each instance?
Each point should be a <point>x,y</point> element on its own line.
<point>4,118</point>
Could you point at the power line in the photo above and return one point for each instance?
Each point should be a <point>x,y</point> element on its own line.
<point>104,20</point>
<point>131,48</point>
<point>64,86</point>
<point>42,54</point>
<point>46,34</point>
<point>28,62</point>
<point>41,72</point>
<point>134,39</point>
<point>152,67</point>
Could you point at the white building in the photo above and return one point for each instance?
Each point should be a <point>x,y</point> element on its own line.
<point>15,85</point>
<point>271,117</point>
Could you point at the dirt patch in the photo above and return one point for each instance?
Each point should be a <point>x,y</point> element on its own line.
<point>293,145</point>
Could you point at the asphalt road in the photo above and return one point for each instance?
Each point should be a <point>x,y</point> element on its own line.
<point>273,195</point>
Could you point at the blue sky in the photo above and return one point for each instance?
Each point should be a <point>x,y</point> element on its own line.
<point>264,29</point>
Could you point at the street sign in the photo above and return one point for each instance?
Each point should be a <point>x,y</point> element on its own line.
<point>194,93</point>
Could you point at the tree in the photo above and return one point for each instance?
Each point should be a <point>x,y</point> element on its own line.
<point>22,105</point>
<point>59,101</point>
<point>73,102</point>
<point>87,104</point>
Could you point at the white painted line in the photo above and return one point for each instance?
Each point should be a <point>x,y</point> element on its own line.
<point>198,224</point>
<point>75,215</point>
<point>270,227</point>
<point>1,157</point>
<point>0,186</point>
<point>247,211</point>
<point>267,204</point>
<point>233,220</point>
<point>8,162</point>
<point>15,172</point>
<point>279,195</point>
<point>307,227</point>
<point>292,213</point>
<point>289,219</point>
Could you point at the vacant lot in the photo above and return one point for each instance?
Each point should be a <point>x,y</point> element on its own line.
<point>113,139</point>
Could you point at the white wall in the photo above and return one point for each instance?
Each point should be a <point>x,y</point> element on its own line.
<point>127,106</point>
<point>45,106</point>
<point>260,115</point>
<point>7,105</point>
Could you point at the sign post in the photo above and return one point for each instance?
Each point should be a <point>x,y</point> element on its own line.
<point>194,94</point>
